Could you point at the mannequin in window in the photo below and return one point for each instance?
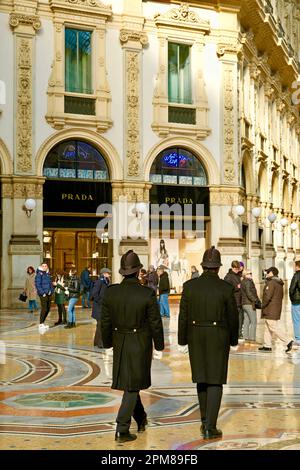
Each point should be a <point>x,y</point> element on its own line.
<point>176,273</point>
<point>162,256</point>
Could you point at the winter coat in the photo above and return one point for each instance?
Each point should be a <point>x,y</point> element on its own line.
<point>59,291</point>
<point>208,322</point>
<point>74,287</point>
<point>152,280</point>
<point>43,282</point>
<point>85,280</point>
<point>30,288</point>
<point>249,293</point>
<point>131,323</point>
<point>97,294</point>
<point>234,279</point>
<point>294,290</point>
<point>272,299</point>
<point>164,284</point>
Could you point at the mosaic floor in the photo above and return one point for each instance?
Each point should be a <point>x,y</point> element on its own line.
<point>55,392</point>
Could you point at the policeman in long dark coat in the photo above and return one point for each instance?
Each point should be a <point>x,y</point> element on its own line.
<point>208,323</point>
<point>131,323</point>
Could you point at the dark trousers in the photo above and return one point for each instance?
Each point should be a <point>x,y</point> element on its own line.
<point>62,314</point>
<point>45,307</point>
<point>98,335</point>
<point>241,320</point>
<point>131,406</point>
<point>209,397</point>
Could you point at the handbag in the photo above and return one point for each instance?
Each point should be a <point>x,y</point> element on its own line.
<point>23,297</point>
<point>258,304</point>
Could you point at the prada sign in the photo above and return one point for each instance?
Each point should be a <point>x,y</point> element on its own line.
<point>164,194</point>
<point>75,196</point>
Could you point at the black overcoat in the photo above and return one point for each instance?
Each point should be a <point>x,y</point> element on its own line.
<point>208,322</point>
<point>131,322</point>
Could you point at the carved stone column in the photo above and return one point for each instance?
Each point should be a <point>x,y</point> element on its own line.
<point>132,42</point>
<point>25,26</point>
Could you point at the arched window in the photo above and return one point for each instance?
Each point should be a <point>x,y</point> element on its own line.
<point>178,166</point>
<point>75,159</point>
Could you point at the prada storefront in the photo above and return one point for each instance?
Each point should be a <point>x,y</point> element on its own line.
<point>77,182</point>
<point>179,178</point>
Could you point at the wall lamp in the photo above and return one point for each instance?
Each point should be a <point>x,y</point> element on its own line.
<point>28,206</point>
<point>139,209</point>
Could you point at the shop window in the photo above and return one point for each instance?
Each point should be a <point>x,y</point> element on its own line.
<point>75,159</point>
<point>78,61</point>
<point>179,73</point>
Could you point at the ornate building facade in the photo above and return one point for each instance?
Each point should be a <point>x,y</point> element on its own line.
<point>148,101</point>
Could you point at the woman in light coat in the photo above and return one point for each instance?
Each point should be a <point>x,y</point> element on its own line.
<point>30,289</point>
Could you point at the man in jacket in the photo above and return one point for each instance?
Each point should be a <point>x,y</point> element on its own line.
<point>249,302</point>
<point>271,311</point>
<point>207,326</point>
<point>97,294</point>
<point>152,278</point>
<point>131,323</point>
<point>164,290</point>
<point>294,292</point>
<point>73,292</point>
<point>44,287</point>
<point>86,283</point>
<point>234,276</point>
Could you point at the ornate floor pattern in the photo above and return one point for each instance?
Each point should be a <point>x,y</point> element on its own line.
<point>55,393</point>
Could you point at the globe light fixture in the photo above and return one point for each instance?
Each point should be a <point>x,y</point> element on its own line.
<point>272,217</point>
<point>256,211</point>
<point>29,206</point>
<point>294,226</point>
<point>239,210</point>
<point>139,209</point>
<point>284,222</point>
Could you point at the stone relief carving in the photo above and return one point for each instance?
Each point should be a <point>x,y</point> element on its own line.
<point>16,19</point>
<point>229,171</point>
<point>24,105</point>
<point>129,35</point>
<point>182,14</point>
<point>133,112</point>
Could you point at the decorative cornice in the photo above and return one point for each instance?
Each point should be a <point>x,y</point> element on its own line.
<point>130,35</point>
<point>89,7</point>
<point>183,16</point>
<point>16,19</point>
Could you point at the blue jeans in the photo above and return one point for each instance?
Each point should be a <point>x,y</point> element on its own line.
<point>296,321</point>
<point>164,305</point>
<point>32,305</point>
<point>71,310</point>
<point>86,294</point>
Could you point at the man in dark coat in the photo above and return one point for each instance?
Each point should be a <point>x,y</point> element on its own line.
<point>86,284</point>
<point>45,289</point>
<point>131,323</point>
<point>294,293</point>
<point>208,324</point>
<point>271,311</point>
<point>97,294</point>
<point>234,277</point>
<point>164,290</point>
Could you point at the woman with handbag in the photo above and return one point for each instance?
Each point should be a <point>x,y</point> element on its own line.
<point>250,302</point>
<point>60,297</point>
<point>30,289</point>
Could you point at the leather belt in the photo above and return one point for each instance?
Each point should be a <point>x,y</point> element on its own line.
<point>127,331</point>
<point>208,323</point>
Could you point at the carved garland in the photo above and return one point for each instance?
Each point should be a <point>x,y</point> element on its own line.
<point>24,106</point>
<point>132,111</point>
<point>229,172</point>
<point>182,14</point>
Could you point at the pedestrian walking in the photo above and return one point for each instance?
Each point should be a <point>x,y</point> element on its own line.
<point>60,297</point>
<point>73,292</point>
<point>164,290</point>
<point>250,301</point>
<point>97,294</point>
<point>44,287</point>
<point>234,278</point>
<point>131,323</point>
<point>271,311</point>
<point>30,289</point>
<point>207,326</point>
<point>294,293</point>
<point>85,286</point>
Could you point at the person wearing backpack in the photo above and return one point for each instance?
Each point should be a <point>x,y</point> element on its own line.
<point>294,293</point>
<point>97,294</point>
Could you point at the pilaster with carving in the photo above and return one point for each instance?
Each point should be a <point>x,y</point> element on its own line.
<point>24,26</point>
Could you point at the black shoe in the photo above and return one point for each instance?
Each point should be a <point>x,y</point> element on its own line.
<point>202,429</point>
<point>264,348</point>
<point>212,434</point>
<point>142,425</point>
<point>289,346</point>
<point>58,323</point>
<point>69,325</point>
<point>73,325</point>
<point>124,437</point>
